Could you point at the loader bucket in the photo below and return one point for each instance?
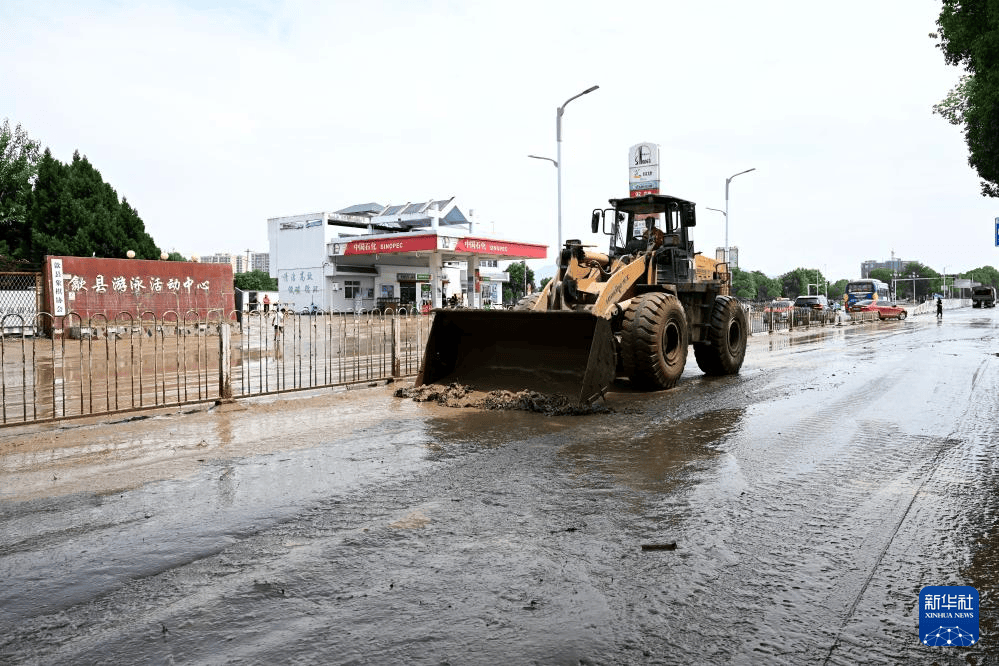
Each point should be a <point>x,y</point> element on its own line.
<point>565,353</point>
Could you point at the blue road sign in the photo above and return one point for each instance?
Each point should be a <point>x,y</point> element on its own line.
<point>997,232</point>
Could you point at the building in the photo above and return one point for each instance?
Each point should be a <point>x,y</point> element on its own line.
<point>371,256</point>
<point>257,261</point>
<point>892,265</point>
<point>241,263</point>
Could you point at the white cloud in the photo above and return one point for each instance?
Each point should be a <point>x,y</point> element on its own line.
<point>212,120</point>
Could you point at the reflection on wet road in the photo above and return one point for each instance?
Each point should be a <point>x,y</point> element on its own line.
<point>809,499</point>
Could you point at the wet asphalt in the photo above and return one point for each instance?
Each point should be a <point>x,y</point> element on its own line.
<point>787,515</point>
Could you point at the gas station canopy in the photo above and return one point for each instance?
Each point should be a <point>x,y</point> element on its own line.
<point>449,247</point>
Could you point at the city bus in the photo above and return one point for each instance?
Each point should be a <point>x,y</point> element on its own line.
<point>868,289</point>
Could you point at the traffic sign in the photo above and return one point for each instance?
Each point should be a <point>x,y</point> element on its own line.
<point>997,232</point>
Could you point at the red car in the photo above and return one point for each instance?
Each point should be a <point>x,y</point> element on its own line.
<point>884,309</point>
<point>780,307</point>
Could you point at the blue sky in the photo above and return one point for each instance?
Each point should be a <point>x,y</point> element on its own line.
<point>211,119</point>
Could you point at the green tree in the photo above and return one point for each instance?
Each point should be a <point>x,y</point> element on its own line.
<point>837,289</point>
<point>986,275</point>
<point>255,281</point>
<point>18,168</point>
<point>766,288</point>
<point>969,38</point>
<point>176,256</point>
<point>72,211</point>
<point>913,289</point>
<point>515,287</point>
<point>743,284</point>
<point>802,281</point>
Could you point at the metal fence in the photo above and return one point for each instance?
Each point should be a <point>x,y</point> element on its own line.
<point>761,321</point>
<point>20,296</point>
<point>792,319</point>
<point>129,362</point>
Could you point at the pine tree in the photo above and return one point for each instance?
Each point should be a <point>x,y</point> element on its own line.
<point>73,212</point>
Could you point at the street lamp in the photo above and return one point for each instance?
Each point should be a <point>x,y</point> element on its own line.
<point>719,210</point>
<point>558,156</point>
<point>538,157</point>
<point>727,181</point>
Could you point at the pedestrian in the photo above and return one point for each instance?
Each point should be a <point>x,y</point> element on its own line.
<point>267,303</point>
<point>278,323</point>
<point>939,308</point>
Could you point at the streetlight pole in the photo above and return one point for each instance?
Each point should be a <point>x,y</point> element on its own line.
<point>727,181</point>
<point>548,159</point>
<point>558,156</point>
<point>719,210</point>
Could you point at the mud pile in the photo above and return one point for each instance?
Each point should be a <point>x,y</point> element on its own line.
<point>458,395</point>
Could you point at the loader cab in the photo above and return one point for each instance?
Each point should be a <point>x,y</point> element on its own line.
<point>629,219</point>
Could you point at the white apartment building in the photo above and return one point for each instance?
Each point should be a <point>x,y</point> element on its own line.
<point>243,262</point>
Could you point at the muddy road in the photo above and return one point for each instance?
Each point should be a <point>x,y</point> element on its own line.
<point>794,512</point>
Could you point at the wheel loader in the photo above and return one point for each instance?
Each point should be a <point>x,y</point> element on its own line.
<point>631,312</point>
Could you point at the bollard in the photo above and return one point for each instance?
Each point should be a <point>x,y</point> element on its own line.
<point>225,371</point>
<point>396,347</point>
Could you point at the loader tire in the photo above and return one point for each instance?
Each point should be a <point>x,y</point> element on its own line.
<point>654,340</point>
<point>528,302</point>
<point>724,349</point>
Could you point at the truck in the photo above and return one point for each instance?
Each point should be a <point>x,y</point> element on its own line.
<point>983,297</point>
<point>631,312</point>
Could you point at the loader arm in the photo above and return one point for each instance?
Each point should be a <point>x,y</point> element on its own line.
<point>619,287</point>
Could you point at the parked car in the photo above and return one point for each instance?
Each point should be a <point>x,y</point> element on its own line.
<point>779,307</point>
<point>885,309</point>
<point>814,302</point>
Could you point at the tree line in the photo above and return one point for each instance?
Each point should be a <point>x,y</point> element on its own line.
<point>51,208</point>
<point>915,281</point>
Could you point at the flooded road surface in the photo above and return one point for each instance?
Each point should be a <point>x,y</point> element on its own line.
<point>789,515</point>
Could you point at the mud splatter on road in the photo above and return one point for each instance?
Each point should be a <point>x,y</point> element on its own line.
<point>786,515</point>
<point>458,395</point>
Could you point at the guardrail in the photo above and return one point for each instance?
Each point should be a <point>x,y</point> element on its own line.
<point>930,307</point>
<point>129,362</point>
<point>798,318</point>
<point>761,321</point>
